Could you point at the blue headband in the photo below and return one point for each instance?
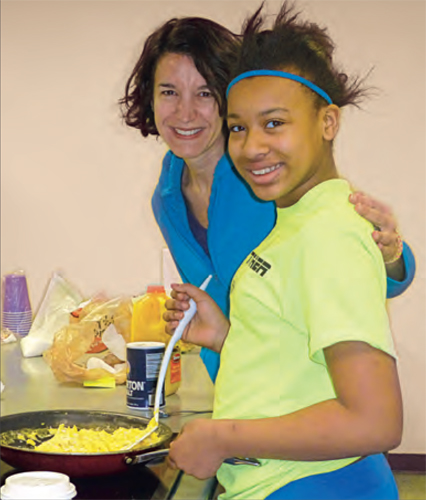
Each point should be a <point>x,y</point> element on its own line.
<point>282,74</point>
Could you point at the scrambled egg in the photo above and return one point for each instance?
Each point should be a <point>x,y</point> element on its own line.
<point>73,440</point>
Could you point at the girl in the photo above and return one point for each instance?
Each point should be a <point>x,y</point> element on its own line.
<point>308,381</point>
<point>208,217</point>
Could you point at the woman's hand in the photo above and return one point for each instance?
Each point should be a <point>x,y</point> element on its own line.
<point>386,236</point>
<point>197,450</point>
<point>208,328</point>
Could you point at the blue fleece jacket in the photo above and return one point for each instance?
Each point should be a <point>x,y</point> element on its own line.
<point>238,222</point>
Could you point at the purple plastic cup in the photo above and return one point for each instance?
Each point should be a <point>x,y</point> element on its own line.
<point>15,294</point>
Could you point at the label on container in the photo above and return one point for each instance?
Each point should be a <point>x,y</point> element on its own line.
<point>175,372</point>
<point>143,366</point>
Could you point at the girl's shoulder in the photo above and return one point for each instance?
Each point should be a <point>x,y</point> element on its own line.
<point>339,228</point>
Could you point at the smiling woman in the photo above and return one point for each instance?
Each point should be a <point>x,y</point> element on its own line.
<point>187,114</point>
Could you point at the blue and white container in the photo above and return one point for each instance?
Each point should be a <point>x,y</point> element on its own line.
<point>143,366</point>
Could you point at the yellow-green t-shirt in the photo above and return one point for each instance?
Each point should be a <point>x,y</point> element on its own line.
<point>317,279</point>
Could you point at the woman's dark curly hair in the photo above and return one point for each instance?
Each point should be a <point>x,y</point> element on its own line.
<point>212,47</point>
<point>300,47</point>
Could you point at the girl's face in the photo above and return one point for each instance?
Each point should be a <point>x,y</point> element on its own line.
<point>279,141</point>
<point>186,113</point>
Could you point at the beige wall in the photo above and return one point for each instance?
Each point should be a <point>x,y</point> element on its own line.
<point>76,183</point>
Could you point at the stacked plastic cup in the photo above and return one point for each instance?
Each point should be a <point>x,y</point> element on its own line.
<point>42,485</point>
<point>16,310</point>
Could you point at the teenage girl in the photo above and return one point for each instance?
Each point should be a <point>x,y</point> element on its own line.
<point>308,382</point>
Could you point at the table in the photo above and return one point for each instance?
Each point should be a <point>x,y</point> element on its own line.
<point>31,386</point>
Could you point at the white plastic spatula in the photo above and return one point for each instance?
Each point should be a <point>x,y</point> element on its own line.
<point>188,315</point>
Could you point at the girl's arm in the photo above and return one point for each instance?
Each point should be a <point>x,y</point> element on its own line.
<point>364,418</point>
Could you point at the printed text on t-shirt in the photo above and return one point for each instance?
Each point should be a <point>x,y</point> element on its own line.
<point>258,265</point>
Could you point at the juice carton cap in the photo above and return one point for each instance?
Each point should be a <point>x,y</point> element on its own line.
<point>155,289</point>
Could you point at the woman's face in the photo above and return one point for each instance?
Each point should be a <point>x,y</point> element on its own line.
<point>186,113</point>
<point>278,139</point>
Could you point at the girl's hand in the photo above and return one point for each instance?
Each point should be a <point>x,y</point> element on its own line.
<point>208,328</point>
<point>386,236</point>
<point>197,450</point>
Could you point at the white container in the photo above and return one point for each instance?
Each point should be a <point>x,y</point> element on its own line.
<point>41,485</point>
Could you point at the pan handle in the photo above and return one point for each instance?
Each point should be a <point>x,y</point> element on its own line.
<point>150,458</point>
<point>157,456</point>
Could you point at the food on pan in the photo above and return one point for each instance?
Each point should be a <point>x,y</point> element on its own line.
<point>73,440</point>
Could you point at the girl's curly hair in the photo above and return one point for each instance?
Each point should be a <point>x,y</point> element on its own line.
<point>301,47</point>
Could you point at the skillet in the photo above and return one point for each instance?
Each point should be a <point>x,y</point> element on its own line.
<point>17,453</point>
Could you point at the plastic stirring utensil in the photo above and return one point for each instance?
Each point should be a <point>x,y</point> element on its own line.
<point>188,315</point>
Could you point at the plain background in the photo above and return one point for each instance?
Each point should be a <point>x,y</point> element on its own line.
<point>76,182</point>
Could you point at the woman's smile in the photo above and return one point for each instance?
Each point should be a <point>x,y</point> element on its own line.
<point>187,133</point>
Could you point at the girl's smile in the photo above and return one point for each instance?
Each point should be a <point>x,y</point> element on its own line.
<point>266,170</point>
<point>264,174</point>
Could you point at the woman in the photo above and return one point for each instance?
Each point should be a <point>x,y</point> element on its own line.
<point>209,218</point>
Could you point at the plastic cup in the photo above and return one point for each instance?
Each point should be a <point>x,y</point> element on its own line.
<point>44,485</point>
<point>15,294</point>
<point>23,317</point>
<point>19,323</point>
<point>16,307</point>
